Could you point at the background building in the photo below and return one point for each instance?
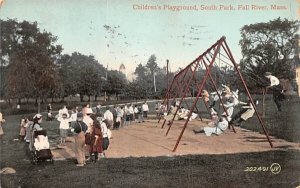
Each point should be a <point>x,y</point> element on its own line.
<point>122,69</point>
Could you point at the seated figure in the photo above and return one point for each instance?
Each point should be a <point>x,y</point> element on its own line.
<point>41,142</point>
<point>245,113</point>
<point>218,128</point>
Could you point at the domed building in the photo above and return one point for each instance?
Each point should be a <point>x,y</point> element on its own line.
<point>122,69</point>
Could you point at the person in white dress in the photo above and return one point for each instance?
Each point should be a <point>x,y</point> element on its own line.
<point>218,129</point>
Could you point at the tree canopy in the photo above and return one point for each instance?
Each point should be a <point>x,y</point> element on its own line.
<point>29,54</point>
<point>268,47</point>
<point>33,66</point>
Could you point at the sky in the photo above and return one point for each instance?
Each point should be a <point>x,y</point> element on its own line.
<point>129,32</point>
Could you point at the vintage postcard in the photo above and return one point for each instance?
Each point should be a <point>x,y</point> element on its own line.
<point>149,93</point>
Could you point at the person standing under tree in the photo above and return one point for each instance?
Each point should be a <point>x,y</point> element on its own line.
<point>49,112</point>
<point>276,89</point>
<point>22,132</point>
<point>1,123</point>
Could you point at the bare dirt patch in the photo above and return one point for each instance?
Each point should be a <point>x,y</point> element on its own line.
<point>148,139</point>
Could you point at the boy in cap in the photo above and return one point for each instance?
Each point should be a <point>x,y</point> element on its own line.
<point>276,89</point>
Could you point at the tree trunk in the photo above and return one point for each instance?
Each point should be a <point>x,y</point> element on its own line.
<point>96,97</point>
<point>27,100</point>
<point>19,100</point>
<point>81,98</point>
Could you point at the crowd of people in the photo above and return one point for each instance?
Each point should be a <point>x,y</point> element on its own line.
<point>91,127</point>
<point>230,100</point>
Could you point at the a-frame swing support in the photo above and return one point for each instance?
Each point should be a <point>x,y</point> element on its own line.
<point>207,59</point>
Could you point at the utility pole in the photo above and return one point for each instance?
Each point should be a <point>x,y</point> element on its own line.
<point>106,82</point>
<point>154,81</point>
<point>168,82</point>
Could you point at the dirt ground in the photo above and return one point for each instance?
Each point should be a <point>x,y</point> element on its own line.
<point>140,155</point>
<point>148,139</point>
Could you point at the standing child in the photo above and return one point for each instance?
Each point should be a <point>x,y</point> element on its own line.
<point>105,142</point>
<point>2,120</point>
<point>131,113</point>
<point>22,128</point>
<point>49,112</point>
<point>145,110</point>
<point>127,115</point>
<point>28,126</point>
<point>136,113</point>
<point>63,127</point>
<point>119,117</point>
<point>96,145</point>
<point>140,114</point>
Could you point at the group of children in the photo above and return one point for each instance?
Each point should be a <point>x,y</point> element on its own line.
<point>92,128</point>
<point>218,123</point>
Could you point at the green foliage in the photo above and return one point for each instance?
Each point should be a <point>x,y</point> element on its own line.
<point>268,47</point>
<point>28,54</point>
<point>116,82</point>
<point>80,74</point>
<point>145,79</point>
<point>32,66</point>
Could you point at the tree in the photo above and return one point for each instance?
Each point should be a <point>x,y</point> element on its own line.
<point>81,74</point>
<point>116,82</point>
<point>268,47</point>
<point>28,54</point>
<point>152,65</point>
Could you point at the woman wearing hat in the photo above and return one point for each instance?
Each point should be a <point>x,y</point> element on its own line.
<point>36,126</point>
